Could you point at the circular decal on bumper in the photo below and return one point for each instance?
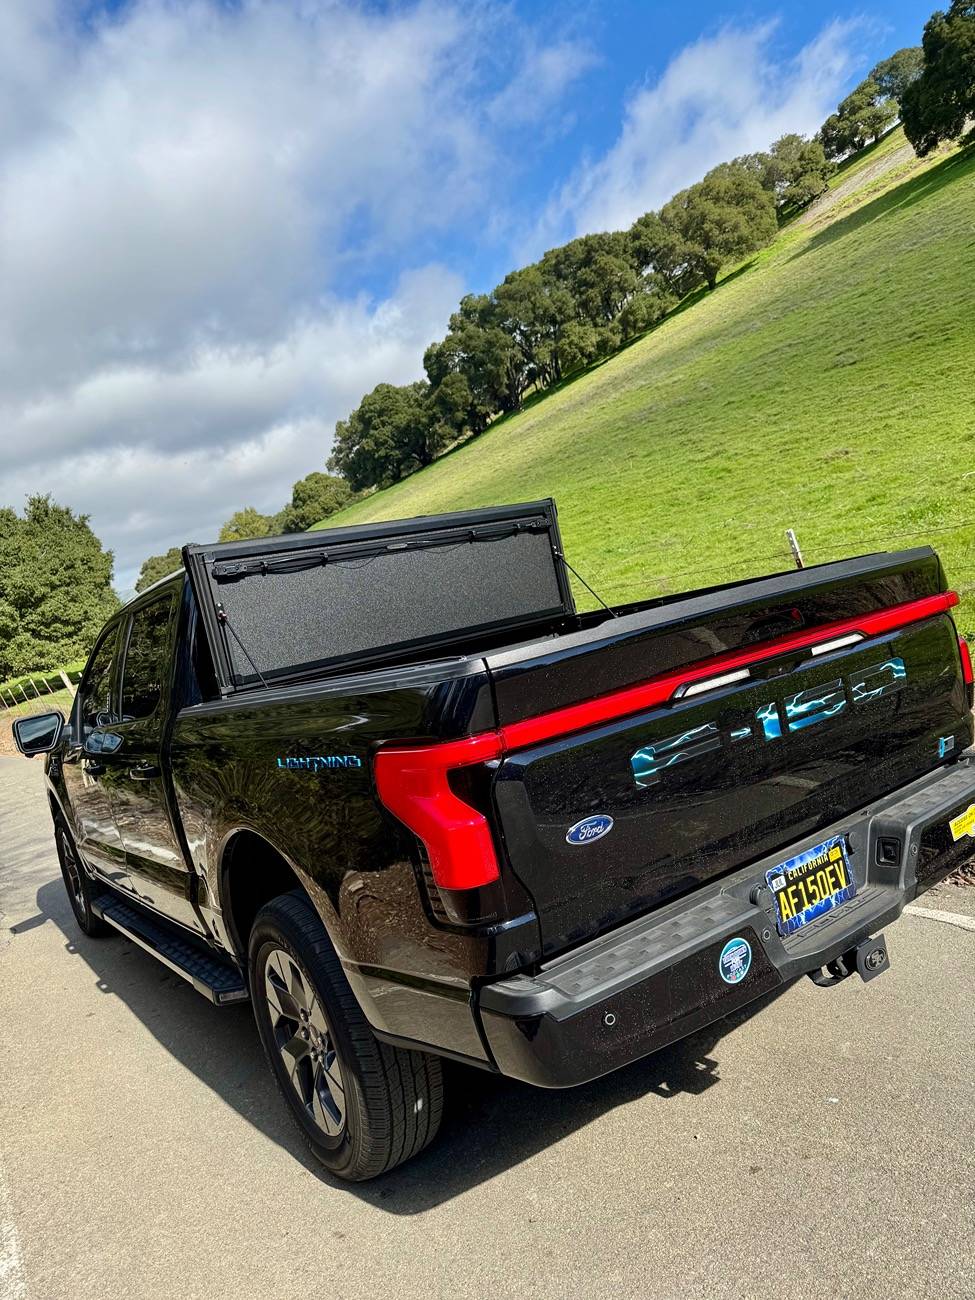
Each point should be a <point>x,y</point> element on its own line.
<point>735,960</point>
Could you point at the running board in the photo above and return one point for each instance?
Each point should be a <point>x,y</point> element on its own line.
<point>215,979</point>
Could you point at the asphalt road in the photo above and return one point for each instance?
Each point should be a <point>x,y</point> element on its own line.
<point>821,1147</point>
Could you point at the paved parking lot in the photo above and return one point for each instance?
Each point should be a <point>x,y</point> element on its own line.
<point>820,1147</point>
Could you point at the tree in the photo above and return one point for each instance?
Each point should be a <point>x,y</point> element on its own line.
<point>158,566</point>
<point>445,364</point>
<point>721,219</point>
<point>247,523</point>
<point>650,304</point>
<point>55,587</point>
<point>863,116</point>
<point>658,248</point>
<point>894,75</point>
<point>490,356</point>
<point>449,409</point>
<point>795,171</point>
<point>599,274</point>
<point>523,310</point>
<point>314,497</point>
<point>386,437</point>
<point>938,104</point>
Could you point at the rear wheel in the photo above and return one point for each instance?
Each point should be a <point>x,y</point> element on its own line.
<point>362,1106</point>
<point>76,881</point>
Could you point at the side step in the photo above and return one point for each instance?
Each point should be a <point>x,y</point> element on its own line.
<point>217,980</point>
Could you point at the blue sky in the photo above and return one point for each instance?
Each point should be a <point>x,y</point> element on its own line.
<point>620,48</point>
<point>226,220</point>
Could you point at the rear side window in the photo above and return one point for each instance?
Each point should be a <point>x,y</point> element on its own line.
<point>146,659</point>
<point>95,692</point>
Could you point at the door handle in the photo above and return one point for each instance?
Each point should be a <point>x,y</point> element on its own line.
<point>144,772</point>
<point>93,769</point>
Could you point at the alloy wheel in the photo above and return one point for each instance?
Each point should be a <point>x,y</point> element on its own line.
<point>304,1041</point>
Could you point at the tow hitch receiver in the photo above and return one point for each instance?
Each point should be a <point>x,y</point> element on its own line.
<point>869,959</point>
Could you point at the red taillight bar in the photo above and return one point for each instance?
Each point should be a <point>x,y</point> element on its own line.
<point>412,781</point>
<point>966,662</point>
<point>658,690</point>
<point>412,784</point>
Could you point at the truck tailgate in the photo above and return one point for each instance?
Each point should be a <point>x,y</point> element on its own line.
<point>699,735</point>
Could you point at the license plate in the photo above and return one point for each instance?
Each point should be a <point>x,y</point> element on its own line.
<point>810,884</point>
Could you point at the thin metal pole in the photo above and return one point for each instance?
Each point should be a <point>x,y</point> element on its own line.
<point>794,547</point>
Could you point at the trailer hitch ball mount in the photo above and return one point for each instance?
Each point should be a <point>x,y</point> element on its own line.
<point>868,960</point>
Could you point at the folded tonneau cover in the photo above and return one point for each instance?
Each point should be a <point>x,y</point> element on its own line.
<point>278,608</point>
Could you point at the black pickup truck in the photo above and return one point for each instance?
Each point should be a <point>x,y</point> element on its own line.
<point>389,785</point>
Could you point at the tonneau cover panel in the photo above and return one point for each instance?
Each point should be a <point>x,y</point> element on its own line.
<point>277,608</point>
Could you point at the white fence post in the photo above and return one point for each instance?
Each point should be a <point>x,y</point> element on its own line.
<point>794,548</point>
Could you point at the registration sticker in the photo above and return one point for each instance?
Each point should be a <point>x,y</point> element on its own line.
<point>963,824</point>
<point>735,960</point>
<point>810,884</point>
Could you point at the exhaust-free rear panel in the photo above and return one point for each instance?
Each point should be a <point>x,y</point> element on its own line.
<point>280,607</point>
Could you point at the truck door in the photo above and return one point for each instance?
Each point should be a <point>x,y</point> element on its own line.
<point>154,856</point>
<point>85,768</point>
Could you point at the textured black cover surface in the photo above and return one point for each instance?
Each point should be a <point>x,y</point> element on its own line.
<point>361,595</point>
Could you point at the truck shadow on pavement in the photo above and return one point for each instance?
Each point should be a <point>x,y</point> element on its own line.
<point>490,1124</point>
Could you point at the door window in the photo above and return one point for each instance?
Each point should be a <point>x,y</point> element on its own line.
<point>95,692</point>
<point>146,659</point>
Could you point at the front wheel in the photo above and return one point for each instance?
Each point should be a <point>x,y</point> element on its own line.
<point>76,882</point>
<point>362,1106</point>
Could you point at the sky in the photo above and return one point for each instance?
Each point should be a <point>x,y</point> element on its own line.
<point>224,221</point>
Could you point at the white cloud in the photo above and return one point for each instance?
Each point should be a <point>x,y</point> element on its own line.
<point>186,188</point>
<point>160,456</point>
<point>722,96</point>
<point>544,75</point>
<point>194,173</point>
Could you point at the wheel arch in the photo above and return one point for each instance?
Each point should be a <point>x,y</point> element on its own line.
<point>253,871</point>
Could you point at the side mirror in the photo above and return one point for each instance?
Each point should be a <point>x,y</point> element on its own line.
<point>38,734</point>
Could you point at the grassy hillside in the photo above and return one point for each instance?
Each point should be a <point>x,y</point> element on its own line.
<point>826,386</point>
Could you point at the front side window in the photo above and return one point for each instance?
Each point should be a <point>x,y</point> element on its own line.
<point>146,659</point>
<point>95,692</point>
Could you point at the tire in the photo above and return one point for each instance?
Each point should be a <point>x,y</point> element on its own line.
<point>362,1106</point>
<point>77,882</point>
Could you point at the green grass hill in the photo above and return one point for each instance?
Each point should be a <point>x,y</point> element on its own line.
<point>827,385</point>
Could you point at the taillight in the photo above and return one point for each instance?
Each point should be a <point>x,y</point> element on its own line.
<point>966,662</point>
<point>413,784</point>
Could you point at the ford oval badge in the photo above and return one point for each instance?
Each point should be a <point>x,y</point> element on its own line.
<point>589,829</point>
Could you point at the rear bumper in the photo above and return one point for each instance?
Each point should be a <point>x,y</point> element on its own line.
<point>656,980</point>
